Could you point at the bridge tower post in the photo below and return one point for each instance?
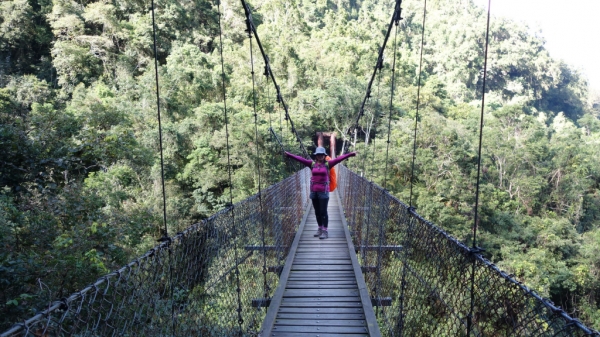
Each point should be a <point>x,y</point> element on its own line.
<point>332,141</point>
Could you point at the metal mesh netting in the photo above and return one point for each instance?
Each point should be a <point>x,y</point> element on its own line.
<point>188,286</point>
<point>423,288</point>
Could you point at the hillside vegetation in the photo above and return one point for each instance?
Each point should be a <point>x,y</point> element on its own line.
<point>80,190</point>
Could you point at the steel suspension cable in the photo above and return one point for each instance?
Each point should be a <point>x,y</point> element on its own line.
<point>160,140</point>
<point>269,101</point>
<point>371,127</point>
<point>233,224</point>
<point>387,150</point>
<point>364,157</point>
<point>280,99</point>
<point>272,134</point>
<point>165,236</point>
<point>377,108</point>
<point>481,126</point>
<point>396,17</point>
<point>475,249</point>
<point>260,201</point>
<point>369,200</point>
<point>411,208</point>
<point>381,224</point>
<point>414,153</point>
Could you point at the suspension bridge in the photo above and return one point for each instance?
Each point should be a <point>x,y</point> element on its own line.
<point>255,269</point>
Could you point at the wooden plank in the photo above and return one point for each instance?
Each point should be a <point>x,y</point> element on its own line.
<point>315,283</point>
<point>320,292</point>
<point>317,255</point>
<point>305,272</point>
<point>321,322</point>
<point>322,271</point>
<point>321,286</point>
<point>319,299</point>
<point>324,278</point>
<point>324,249</point>
<point>321,282</point>
<point>325,260</point>
<point>284,310</point>
<point>319,329</point>
<point>313,316</point>
<point>355,304</point>
<point>312,246</point>
<point>321,274</point>
<point>320,267</point>
<point>316,279</point>
<point>316,275</point>
<point>310,334</point>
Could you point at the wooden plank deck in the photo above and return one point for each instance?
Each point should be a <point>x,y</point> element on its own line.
<point>322,291</point>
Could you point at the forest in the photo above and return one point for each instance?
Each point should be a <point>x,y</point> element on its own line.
<point>80,173</point>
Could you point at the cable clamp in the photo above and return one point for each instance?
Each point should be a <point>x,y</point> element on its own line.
<point>63,304</point>
<point>249,23</point>
<point>476,250</point>
<point>398,12</point>
<point>379,62</point>
<point>165,238</point>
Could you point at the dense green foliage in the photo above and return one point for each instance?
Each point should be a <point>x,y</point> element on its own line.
<point>80,190</point>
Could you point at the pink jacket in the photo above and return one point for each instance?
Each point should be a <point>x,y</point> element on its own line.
<point>320,177</point>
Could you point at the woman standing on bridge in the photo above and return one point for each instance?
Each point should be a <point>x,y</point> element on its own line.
<point>319,185</point>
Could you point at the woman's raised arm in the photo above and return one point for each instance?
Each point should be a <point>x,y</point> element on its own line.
<point>305,162</point>
<point>340,159</point>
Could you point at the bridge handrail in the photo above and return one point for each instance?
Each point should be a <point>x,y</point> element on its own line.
<point>429,280</point>
<point>181,285</point>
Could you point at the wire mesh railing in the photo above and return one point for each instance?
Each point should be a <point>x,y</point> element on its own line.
<point>186,285</point>
<point>419,277</point>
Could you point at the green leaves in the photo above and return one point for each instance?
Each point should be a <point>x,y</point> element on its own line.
<point>80,169</point>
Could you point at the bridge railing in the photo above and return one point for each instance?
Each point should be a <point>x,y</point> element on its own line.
<point>213,279</point>
<point>421,279</point>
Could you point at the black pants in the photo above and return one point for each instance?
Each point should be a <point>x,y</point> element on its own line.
<point>320,206</point>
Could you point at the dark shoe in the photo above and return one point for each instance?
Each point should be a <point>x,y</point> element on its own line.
<point>318,233</point>
<point>324,235</point>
